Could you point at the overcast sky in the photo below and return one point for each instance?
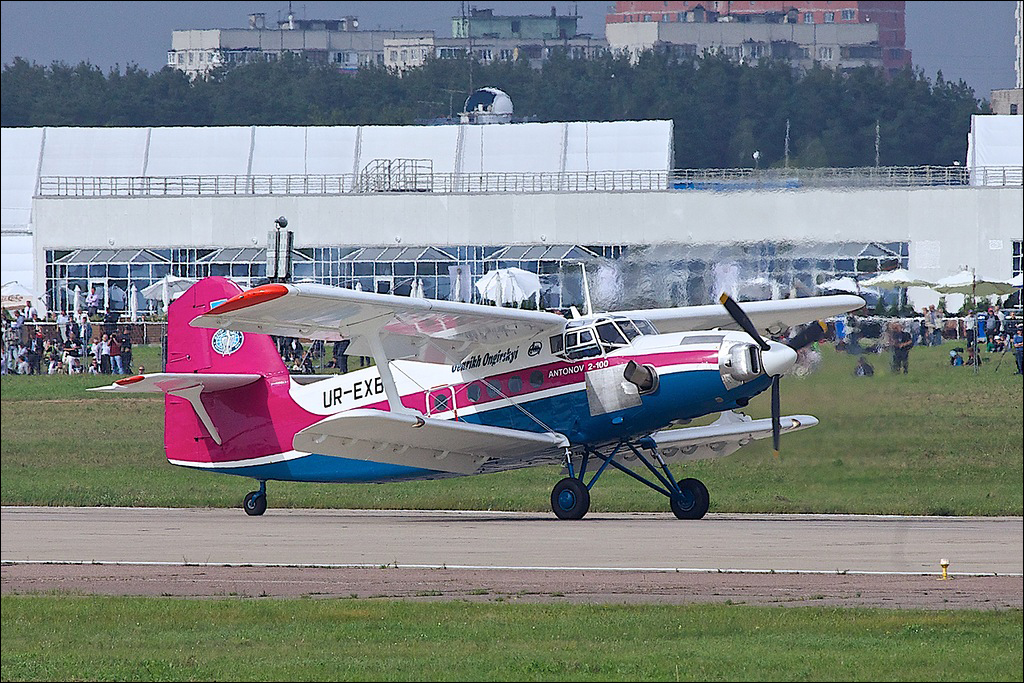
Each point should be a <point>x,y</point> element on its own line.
<point>972,41</point>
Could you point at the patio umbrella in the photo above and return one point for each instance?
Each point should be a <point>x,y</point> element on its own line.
<point>895,279</point>
<point>508,285</point>
<point>133,303</point>
<point>77,305</point>
<point>169,288</point>
<point>841,284</point>
<point>967,282</point>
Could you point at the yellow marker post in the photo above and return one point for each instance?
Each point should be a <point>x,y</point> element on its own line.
<point>944,563</point>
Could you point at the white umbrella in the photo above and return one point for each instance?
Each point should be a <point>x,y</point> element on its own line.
<point>169,288</point>
<point>895,279</point>
<point>133,303</point>
<point>359,286</point>
<point>78,300</point>
<point>841,284</point>
<point>418,290</point>
<point>967,282</point>
<point>508,285</point>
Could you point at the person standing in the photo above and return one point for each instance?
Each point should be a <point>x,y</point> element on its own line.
<point>84,328</point>
<point>92,301</point>
<point>104,354</point>
<point>1018,348</point>
<point>115,355</point>
<point>126,353</point>
<point>901,343</point>
<point>933,325</point>
<point>62,326</point>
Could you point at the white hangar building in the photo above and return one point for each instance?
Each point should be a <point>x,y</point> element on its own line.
<point>387,208</point>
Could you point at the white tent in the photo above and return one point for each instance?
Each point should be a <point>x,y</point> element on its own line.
<point>995,149</point>
<point>15,296</point>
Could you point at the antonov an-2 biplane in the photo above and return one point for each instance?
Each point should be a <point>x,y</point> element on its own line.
<point>462,389</point>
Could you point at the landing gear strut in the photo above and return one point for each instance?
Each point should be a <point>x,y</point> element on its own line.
<point>255,502</point>
<point>570,498</point>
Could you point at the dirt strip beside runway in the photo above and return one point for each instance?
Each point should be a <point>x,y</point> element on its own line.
<point>489,585</point>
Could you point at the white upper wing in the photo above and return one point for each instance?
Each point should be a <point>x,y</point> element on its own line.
<point>768,316</point>
<point>422,329</point>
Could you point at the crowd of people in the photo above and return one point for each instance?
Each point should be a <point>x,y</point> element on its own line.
<point>75,347</point>
<point>898,337</point>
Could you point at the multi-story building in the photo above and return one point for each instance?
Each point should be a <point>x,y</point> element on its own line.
<point>340,42</point>
<point>410,52</point>
<point>841,35</point>
<point>337,42</point>
<point>1011,100</point>
<point>482,23</point>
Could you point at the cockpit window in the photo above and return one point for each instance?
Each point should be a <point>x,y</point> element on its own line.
<point>611,336</point>
<point>644,326</point>
<point>629,329</point>
<point>581,344</point>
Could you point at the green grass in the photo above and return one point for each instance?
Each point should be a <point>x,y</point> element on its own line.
<point>939,441</point>
<point>79,638</point>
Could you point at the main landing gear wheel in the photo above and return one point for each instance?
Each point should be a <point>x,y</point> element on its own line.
<point>692,501</point>
<point>255,503</point>
<point>570,499</point>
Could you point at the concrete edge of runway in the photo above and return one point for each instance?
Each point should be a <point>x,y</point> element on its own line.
<point>462,567</point>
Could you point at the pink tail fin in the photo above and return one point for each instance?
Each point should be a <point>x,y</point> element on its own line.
<point>255,420</point>
<point>195,349</point>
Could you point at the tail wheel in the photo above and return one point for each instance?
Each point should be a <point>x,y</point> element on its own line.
<point>570,499</point>
<point>692,501</point>
<point>255,503</point>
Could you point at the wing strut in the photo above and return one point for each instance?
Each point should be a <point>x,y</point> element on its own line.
<point>384,367</point>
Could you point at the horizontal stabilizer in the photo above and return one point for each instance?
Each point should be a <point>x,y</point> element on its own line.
<point>187,385</point>
<point>724,436</point>
<point>168,382</point>
<point>423,442</point>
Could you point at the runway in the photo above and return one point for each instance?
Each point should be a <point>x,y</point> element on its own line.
<point>766,555</point>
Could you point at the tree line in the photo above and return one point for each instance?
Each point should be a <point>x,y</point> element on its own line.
<point>722,111</point>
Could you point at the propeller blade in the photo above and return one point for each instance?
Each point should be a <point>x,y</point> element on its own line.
<point>743,320</point>
<point>807,336</point>
<point>776,415</point>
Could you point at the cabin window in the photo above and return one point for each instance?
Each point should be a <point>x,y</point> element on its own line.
<point>473,392</point>
<point>515,384</point>
<point>536,379</point>
<point>440,402</point>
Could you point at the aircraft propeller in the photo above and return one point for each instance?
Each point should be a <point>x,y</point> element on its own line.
<point>773,367</point>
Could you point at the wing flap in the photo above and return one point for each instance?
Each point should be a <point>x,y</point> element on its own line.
<point>724,436</point>
<point>423,442</point>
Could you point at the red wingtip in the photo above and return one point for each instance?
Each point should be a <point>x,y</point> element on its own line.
<point>130,380</point>
<point>256,295</point>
